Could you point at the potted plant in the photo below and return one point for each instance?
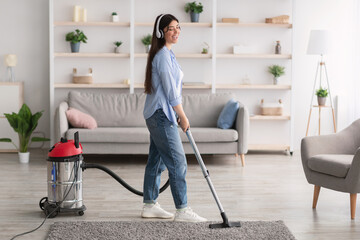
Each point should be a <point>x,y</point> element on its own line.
<point>205,49</point>
<point>321,94</point>
<point>146,40</point>
<point>75,38</point>
<point>276,71</point>
<point>195,9</point>
<point>117,46</point>
<point>115,17</point>
<point>24,123</point>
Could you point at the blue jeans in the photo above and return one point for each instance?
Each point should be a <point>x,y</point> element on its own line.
<point>166,151</point>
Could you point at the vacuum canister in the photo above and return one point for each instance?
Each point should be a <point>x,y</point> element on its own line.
<point>64,178</point>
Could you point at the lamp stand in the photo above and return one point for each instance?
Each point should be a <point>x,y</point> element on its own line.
<point>321,65</point>
<point>11,74</point>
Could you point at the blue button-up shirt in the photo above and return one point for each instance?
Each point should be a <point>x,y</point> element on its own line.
<point>167,85</point>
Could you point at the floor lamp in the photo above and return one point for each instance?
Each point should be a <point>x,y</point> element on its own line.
<point>10,62</point>
<point>319,44</point>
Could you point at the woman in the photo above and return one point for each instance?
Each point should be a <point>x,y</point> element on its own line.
<point>162,112</point>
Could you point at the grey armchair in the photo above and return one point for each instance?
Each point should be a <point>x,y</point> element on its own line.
<point>333,161</point>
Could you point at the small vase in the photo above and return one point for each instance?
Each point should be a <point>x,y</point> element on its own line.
<point>194,17</point>
<point>276,80</point>
<point>147,48</point>
<point>321,101</point>
<point>75,47</point>
<point>24,157</point>
<point>117,50</point>
<point>115,18</point>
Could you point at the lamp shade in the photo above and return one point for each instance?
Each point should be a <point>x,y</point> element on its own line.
<point>319,42</point>
<point>10,60</point>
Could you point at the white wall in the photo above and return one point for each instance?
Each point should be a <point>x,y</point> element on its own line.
<point>24,28</point>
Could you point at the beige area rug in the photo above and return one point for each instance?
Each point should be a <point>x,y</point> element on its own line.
<point>253,230</point>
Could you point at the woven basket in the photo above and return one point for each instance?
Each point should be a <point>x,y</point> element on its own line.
<point>83,79</point>
<point>283,19</point>
<point>271,109</point>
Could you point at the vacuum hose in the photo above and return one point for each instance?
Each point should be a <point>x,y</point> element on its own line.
<point>117,178</point>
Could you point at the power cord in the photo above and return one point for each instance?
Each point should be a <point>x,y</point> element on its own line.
<point>76,167</point>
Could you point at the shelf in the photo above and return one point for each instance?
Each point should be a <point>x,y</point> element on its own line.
<point>11,83</point>
<point>266,25</point>
<point>259,56</point>
<point>92,85</point>
<point>91,55</point>
<point>8,150</point>
<point>255,86</point>
<point>262,117</point>
<point>269,147</point>
<point>114,24</point>
<point>200,86</point>
<point>179,55</point>
<point>182,24</point>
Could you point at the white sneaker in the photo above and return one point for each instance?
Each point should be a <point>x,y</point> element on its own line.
<point>188,215</point>
<point>155,211</point>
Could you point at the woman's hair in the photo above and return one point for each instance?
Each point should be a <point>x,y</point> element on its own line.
<point>156,45</point>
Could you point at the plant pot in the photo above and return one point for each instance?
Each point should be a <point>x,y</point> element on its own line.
<point>117,50</point>
<point>24,157</point>
<point>115,18</point>
<point>321,101</point>
<point>194,17</point>
<point>276,80</point>
<point>75,47</point>
<point>147,48</point>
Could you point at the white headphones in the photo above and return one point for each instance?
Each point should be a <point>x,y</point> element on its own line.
<point>159,32</point>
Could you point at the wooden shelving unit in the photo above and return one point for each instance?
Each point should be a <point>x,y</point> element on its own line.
<point>213,84</point>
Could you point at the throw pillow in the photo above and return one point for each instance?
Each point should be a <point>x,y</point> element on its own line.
<point>228,114</point>
<point>79,119</point>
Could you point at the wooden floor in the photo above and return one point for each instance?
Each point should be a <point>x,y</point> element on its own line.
<point>270,187</point>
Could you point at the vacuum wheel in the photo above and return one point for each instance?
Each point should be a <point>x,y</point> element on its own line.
<point>51,210</point>
<point>81,213</point>
<point>42,202</point>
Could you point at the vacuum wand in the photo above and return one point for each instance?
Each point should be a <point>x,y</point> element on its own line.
<point>225,223</point>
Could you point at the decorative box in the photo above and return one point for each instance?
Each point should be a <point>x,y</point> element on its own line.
<point>230,20</point>
<point>272,109</point>
<point>283,19</point>
<point>83,79</point>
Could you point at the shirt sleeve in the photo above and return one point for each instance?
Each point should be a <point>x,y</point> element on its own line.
<point>167,80</point>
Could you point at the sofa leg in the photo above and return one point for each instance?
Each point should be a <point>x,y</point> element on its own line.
<point>316,195</point>
<point>353,204</point>
<point>242,157</point>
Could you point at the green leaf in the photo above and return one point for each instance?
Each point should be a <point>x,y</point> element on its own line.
<point>39,139</point>
<point>13,120</point>
<point>34,121</point>
<point>25,113</point>
<point>23,127</point>
<point>5,140</point>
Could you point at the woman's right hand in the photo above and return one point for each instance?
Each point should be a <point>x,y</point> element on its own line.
<point>184,123</point>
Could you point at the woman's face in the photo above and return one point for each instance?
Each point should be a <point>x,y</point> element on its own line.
<point>172,32</point>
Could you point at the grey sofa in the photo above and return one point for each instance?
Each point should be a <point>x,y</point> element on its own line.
<point>333,161</point>
<point>122,129</point>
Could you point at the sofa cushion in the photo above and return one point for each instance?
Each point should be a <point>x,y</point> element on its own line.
<point>79,119</point>
<point>228,114</point>
<point>203,110</point>
<point>141,135</point>
<point>208,135</point>
<point>110,110</point>
<point>336,165</point>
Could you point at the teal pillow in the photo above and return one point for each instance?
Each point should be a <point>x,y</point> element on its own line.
<point>228,114</point>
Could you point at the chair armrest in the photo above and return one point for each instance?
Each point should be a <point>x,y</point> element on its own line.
<point>242,126</point>
<point>61,122</point>
<point>353,176</point>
